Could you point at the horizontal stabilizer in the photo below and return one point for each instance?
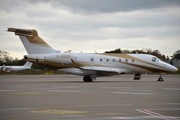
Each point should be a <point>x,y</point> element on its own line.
<point>21,32</point>
<point>32,42</point>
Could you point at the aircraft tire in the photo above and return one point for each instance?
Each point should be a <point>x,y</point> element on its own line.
<point>160,79</point>
<point>87,79</point>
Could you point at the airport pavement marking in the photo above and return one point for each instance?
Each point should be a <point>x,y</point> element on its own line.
<point>59,116</point>
<point>42,88</point>
<point>155,114</point>
<point>132,118</point>
<point>9,90</point>
<point>130,90</point>
<point>165,109</point>
<point>134,93</point>
<point>58,87</point>
<point>118,87</point>
<point>171,88</point>
<point>65,86</point>
<point>62,112</point>
<point>48,117</point>
<point>25,93</point>
<point>15,109</point>
<point>68,91</point>
<point>17,86</point>
<point>141,90</point>
<point>99,105</point>
<point>173,103</point>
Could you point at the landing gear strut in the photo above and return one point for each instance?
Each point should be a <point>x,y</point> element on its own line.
<point>160,79</point>
<point>87,79</point>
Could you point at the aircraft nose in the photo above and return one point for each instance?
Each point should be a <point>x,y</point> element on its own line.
<point>173,69</point>
<point>170,67</point>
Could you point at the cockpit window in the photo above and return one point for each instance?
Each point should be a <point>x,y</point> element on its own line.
<point>154,59</point>
<point>157,60</point>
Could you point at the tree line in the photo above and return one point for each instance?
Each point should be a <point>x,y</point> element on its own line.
<point>156,53</point>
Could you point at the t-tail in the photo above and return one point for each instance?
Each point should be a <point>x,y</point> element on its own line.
<point>27,65</point>
<point>32,42</point>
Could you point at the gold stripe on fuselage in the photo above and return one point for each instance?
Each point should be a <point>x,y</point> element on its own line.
<point>82,63</point>
<point>126,56</point>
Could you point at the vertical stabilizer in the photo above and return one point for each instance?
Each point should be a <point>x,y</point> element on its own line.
<point>28,65</point>
<point>32,42</point>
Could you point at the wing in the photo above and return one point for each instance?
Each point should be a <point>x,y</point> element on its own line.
<point>99,71</point>
<point>104,71</point>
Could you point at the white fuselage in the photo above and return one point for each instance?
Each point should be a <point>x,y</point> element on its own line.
<point>26,66</point>
<point>89,63</point>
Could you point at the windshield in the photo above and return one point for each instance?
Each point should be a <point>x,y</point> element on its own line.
<point>154,59</point>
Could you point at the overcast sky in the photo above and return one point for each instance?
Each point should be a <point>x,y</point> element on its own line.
<point>93,25</point>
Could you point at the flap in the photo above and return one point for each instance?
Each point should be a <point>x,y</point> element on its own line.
<point>105,69</point>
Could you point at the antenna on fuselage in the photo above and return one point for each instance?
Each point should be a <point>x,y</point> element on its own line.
<point>68,51</point>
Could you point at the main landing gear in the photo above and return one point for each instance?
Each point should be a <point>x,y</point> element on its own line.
<point>160,79</point>
<point>87,79</point>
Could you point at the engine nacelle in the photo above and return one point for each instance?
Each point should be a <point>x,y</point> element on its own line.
<point>61,58</point>
<point>34,57</point>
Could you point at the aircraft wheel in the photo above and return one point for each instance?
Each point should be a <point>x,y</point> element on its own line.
<point>160,79</point>
<point>87,79</point>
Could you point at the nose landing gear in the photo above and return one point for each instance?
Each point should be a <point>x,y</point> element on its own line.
<point>160,79</point>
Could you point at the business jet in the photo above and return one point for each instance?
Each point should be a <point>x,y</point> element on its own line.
<point>89,65</point>
<point>26,66</point>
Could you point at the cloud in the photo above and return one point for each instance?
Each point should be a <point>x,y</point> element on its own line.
<point>109,6</point>
<point>93,25</point>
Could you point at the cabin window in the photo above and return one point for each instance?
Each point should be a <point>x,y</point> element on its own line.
<point>101,59</point>
<point>126,60</point>
<point>92,59</point>
<point>107,60</point>
<point>113,60</point>
<point>120,60</point>
<point>132,60</point>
